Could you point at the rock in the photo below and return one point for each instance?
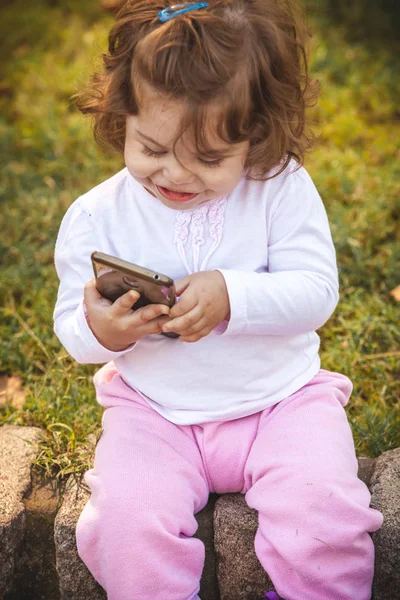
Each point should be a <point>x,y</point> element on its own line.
<point>18,449</point>
<point>240,574</point>
<point>366,468</point>
<point>35,576</point>
<point>385,490</point>
<point>209,582</point>
<point>75,581</point>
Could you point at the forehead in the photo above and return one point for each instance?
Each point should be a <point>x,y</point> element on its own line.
<point>160,118</point>
<point>165,120</point>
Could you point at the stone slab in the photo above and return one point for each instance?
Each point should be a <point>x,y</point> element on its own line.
<point>209,581</point>
<point>35,576</point>
<point>366,467</point>
<point>240,574</point>
<point>18,449</point>
<point>385,490</point>
<point>75,581</point>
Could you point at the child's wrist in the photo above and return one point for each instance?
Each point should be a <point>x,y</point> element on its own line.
<point>108,345</point>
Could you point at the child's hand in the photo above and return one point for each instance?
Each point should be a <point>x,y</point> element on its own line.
<point>203,304</point>
<point>116,325</point>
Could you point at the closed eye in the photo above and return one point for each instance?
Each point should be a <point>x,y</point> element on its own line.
<point>207,163</point>
<point>149,152</point>
<point>211,163</point>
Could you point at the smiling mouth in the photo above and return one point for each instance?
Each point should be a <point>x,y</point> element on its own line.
<point>175,196</point>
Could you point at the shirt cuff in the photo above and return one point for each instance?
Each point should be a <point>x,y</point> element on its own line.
<point>238,305</point>
<point>221,328</point>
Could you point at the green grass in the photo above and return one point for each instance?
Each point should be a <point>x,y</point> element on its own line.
<point>49,159</point>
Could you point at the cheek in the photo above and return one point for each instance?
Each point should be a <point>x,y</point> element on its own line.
<point>224,179</point>
<point>137,163</point>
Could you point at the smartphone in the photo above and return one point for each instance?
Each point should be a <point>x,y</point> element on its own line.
<point>115,277</point>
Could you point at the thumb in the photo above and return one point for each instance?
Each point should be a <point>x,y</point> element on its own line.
<point>182,285</point>
<point>124,303</point>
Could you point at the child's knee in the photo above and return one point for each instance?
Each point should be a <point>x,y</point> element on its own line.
<point>138,515</point>
<point>317,542</point>
<point>322,522</point>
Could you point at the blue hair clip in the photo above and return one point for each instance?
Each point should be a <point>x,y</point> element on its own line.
<point>178,9</point>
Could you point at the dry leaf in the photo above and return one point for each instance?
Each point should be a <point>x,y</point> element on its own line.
<point>11,391</point>
<point>396,293</point>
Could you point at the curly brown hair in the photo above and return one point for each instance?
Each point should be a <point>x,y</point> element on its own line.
<point>248,57</point>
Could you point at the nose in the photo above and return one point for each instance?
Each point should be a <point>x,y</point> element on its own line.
<point>175,172</point>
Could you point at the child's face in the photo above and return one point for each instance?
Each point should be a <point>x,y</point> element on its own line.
<point>180,178</point>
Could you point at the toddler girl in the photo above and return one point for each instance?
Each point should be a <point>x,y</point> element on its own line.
<point>206,101</point>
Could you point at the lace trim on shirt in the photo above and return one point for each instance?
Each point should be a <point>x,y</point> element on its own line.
<point>192,223</point>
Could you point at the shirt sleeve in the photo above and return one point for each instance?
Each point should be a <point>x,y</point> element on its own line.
<point>75,243</point>
<point>298,292</point>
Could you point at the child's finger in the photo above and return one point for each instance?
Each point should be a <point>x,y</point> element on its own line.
<point>186,302</point>
<point>182,284</point>
<point>152,326</point>
<point>188,330</point>
<point>152,311</point>
<point>195,337</point>
<point>125,302</point>
<point>189,321</point>
<point>91,293</point>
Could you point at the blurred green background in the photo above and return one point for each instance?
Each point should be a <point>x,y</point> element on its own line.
<point>48,158</point>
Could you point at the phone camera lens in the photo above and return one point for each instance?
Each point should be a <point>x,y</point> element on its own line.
<point>156,277</point>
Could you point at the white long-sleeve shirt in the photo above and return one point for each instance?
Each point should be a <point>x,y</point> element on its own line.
<point>270,240</point>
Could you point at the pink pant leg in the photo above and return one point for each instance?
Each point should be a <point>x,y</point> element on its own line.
<point>314,515</point>
<point>135,533</point>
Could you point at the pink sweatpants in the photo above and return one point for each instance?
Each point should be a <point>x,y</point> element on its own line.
<point>295,462</point>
